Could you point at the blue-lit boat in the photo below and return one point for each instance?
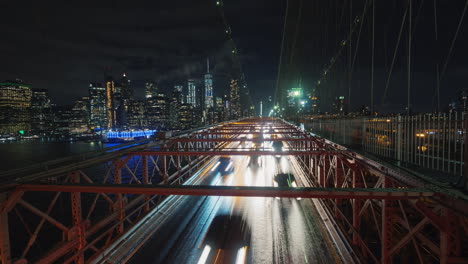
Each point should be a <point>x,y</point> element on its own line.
<point>127,136</point>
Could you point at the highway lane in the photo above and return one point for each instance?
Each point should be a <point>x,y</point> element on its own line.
<point>245,229</point>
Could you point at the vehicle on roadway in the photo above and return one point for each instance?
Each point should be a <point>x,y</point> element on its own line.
<point>285,180</point>
<point>277,147</point>
<point>224,165</point>
<point>226,241</point>
<point>254,160</point>
<point>243,138</point>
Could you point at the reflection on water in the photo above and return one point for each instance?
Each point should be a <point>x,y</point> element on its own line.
<point>23,153</point>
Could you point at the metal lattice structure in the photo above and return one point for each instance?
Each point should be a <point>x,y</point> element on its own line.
<point>74,213</point>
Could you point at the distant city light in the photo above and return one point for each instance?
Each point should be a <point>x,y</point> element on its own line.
<point>130,134</point>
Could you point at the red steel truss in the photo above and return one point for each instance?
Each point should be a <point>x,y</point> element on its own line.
<point>72,213</point>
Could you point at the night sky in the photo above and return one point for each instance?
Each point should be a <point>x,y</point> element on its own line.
<point>63,49</point>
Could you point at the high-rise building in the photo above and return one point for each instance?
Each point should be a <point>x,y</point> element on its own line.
<point>339,105</point>
<point>122,97</point>
<point>208,87</point>
<point>192,93</point>
<point>110,106</point>
<point>79,117</point>
<point>97,106</point>
<point>180,89</point>
<point>136,115</point>
<point>314,102</point>
<point>220,109</point>
<point>151,90</point>
<point>41,112</point>
<point>15,106</point>
<point>62,121</point>
<point>234,99</point>
<point>174,108</point>
<point>156,112</point>
<point>219,103</point>
<point>127,89</point>
<point>186,116</point>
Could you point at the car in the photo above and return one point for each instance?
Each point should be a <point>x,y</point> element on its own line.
<point>285,180</point>
<point>277,146</point>
<point>254,160</point>
<point>227,240</point>
<point>224,165</point>
<point>242,140</point>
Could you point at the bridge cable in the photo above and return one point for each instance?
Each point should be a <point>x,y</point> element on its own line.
<point>449,55</point>
<point>394,55</point>
<point>296,32</point>
<point>413,30</point>
<point>281,54</point>
<point>234,52</point>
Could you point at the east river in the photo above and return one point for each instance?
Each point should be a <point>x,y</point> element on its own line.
<point>17,154</point>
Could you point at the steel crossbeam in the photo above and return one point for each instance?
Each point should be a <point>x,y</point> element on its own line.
<point>240,191</point>
<point>249,133</point>
<point>234,153</point>
<point>287,139</point>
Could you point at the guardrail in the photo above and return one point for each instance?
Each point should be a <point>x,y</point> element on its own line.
<point>431,141</point>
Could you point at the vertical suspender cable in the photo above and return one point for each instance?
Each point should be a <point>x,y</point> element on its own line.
<point>372,58</point>
<point>409,54</point>
<point>350,51</point>
<point>449,55</point>
<point>277,89</point>
<point>394,55</point>
<point>437,65</point>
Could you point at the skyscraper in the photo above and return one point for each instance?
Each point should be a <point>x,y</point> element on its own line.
<point>180,89</point>
<point>151,90</point>
<point>79,117</point>
<point>122,99</point>
<point>126,90</point>
<point>208,87</point>
<point>136,116</point>
<point>234,98</point>
<point>339,105</point>
<point>110,93</point>
<point>192,93</point>
<point>156,112</point>
<point>186,116</point>
<point>175,102</point>
<point>41,112</point>
<point>97,106</point>
<point>15,105</point>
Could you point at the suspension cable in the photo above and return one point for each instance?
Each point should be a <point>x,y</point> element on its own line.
<point>449,55</point>
<point>394,55</point>
<point>281,55</point>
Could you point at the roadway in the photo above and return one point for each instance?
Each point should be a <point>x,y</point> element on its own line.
<point>215,229</point>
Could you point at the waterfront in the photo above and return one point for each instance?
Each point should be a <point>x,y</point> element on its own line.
<point>17,154</point>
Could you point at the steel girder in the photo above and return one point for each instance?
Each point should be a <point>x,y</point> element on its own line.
<point>201,190</point>
<point>406,227</point>
<point>383,230</point>
<point>94,219</point>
